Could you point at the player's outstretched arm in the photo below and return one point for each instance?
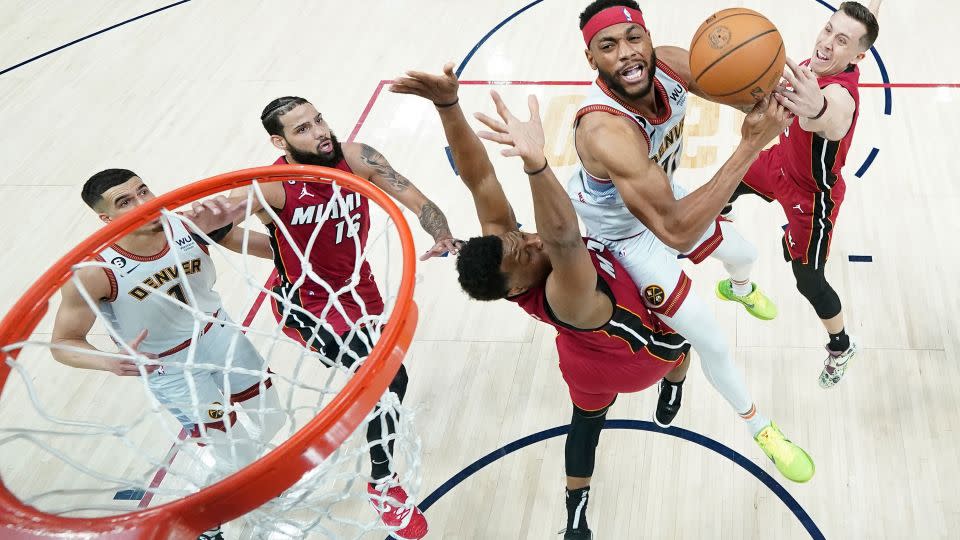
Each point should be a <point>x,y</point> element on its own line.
<point>470,156</point>
<point>572,285</point>
<point>378,170</point>
<point>828,111</point>
<point>620,149</point>
<point>74,320</point>
<point>258,244</point>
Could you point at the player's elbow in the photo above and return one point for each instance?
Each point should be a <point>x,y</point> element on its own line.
<point>677,235</point>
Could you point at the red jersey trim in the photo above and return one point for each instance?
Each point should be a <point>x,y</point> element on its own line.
<point>251,392</point>
<point>186,343</point>
<point>661,65</point>
<point>140,258</point>
<point>708,246</point>
<point>661,91</point>
<point>680,292</point>
<point>112,278</point>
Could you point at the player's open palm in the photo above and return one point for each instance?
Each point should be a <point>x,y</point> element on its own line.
<point>803,97</point>
<point>440,89</point>
<point>129,368</point>
<point>525,139</point>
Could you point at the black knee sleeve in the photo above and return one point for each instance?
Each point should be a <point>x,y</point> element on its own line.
<point>399,383</point>
<point>813,285</point>
<point>581,448</point>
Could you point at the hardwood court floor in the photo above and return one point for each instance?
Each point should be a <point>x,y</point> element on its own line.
<point>176,97</point>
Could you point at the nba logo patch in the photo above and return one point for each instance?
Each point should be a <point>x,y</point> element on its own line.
<point>654,295</point>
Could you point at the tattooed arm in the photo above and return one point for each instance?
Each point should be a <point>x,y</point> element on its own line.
<point>372,165</point>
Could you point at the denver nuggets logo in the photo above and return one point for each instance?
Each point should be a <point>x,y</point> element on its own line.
<point>719,37</point>
<point>216,412</point>
<point>655,295</point>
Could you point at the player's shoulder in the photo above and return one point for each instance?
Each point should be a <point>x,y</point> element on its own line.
<point>839,95</point>
<point>604,133</point>
<point>675,61</point>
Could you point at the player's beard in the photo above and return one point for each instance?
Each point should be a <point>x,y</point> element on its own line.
<point>315,158</point>
<point>613,83</point>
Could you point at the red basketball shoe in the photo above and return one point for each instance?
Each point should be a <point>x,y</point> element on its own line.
<point>389,499</point>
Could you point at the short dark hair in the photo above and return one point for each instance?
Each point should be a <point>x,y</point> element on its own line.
<point>479,267</point>
<point>864,16</point>
<point>275,109</point>
<point>94,187</point>
<point>599,5</point>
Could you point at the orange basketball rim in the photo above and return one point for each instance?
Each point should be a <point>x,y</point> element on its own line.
<point>267,477</point>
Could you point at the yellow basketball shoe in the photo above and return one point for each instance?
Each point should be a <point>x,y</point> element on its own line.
<point>757,303</point>
<point>790,459</point>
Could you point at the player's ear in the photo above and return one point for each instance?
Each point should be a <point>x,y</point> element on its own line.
<point>104,218</point>
<point>279,142</point>
<point>858,58</point>
<point>593,64</point>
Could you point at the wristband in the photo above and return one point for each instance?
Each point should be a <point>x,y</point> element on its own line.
<point>445,105</point>
<point>823,110</point>
<point>540,170</point>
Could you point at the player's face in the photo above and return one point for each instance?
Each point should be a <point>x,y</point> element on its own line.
<point>838,45</point>
<point>523,261</point>
<point>623,55</point>
<point>119,200</point>
<point>307,137</point>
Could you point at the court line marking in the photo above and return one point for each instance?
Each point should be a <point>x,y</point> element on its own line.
<point>88,36</point>
<point>745,463</point>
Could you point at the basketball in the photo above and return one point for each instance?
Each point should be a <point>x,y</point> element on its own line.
<point>737,56</point>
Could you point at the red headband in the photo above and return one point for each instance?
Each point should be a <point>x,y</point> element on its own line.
<point>609,17</point>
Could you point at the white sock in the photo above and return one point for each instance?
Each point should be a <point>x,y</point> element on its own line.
<point>741,288</point>
<point>755,421</point>
<point>737,256</point>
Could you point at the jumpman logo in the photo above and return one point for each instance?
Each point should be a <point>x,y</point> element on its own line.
<point>305,193</point>
<point>797,206</point>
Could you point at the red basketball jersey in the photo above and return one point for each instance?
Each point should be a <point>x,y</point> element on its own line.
<point>333,255</point>
<point>632,351</point>
<point>810,160</point>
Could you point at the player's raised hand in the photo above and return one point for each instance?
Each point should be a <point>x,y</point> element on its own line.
<point>129,368</point>
<point>443,247</point>
<point>802,93</point>
<point>766,121</point>
<point>212,214</point>
<point>525,139</point>
<point>440,89</point>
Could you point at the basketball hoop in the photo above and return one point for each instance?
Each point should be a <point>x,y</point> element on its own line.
<point>279,467</point>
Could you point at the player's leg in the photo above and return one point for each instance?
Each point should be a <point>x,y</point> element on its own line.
<point>735,252</point>
<point>671,393</point>
<point>580,452</point>
<point>193,396</point>
<point>245,378</point>
<point>689,315</point>
<point>806,244</point>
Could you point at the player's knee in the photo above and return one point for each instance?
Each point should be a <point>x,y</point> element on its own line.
<point>399,383</point>
<point>581,446</point>
<point>813,285</point>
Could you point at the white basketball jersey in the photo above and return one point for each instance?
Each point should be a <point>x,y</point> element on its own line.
<point>597,201</point>
<point>137,284</point>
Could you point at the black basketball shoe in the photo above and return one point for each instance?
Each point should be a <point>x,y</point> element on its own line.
<point>669,403</point>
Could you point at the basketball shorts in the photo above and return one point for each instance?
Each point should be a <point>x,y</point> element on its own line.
<point>655,269</point>
<point>224,363</point>
<point>811,215</point>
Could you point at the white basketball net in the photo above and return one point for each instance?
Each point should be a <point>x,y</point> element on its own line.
<point>84,443</point>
